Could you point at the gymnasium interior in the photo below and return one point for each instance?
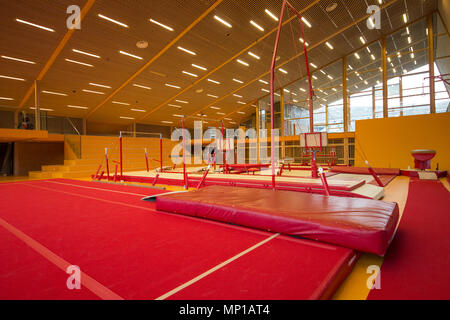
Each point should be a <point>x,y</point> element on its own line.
<point>224,150</point>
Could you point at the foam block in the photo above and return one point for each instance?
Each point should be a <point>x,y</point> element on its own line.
<point>362,224</point>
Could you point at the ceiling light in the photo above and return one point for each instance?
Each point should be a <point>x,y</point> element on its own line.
<point>282,70</point>
<point>262,81</point>
<point>172,86</point>
<point>306,22</point>
<point>254,55</point>
<point>127,118</point>
<point>314,77</point>
<point>405,18</point>
<point>409,40</point>
<point>242,62</point>
<point>42,109</point>
<point>301,89</point>
<point>323,72</point>
<point>271,15</point>
<point>407,30</point>
<point>181,101</point>
<point>55,93</point>
<point>238,81</point>
<point>19,60</point>
<point>138,110</point>
<point>11,78</point>
<point>99,85</point>
<point>212,96</point>
<point>236,95</point>
<point>412,55</point>
<point>331,7</point>
<point>227,119</point>
<point>222,21</point>
<point>240,102</point>
<point>90,91</point>
<point>86,53</point>
<point>357,55</point>
<point>190,74</point>
<point>302,41</point>
<point>213,81</point>
<point>34,25</point>
<point>113,21</point>
<point>161,25</point>
<point>8,99</point>
<point>167,122</point>
<point>241,112</point>
<point>187,51</point>
<point>199,67</point>
<point>362,40</point>
<point>389,59</point>
<point>368,50</point>
<point>221,113</point>
<point>130,55</point>
<point>256,25</point>
<point>141,86</point>
<point>265,90</point>
<point>330,77</point>
<point>122,103</point>
<point>215,108</point>
<point>372,56</point>
<point>178,115</point>
<point>329,45</point>
<point>78,62</point>
<point>77,107</point>
<point>313,65</point>
<point>174,105</point>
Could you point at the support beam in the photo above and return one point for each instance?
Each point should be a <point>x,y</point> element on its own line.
<point>384,67</point>
<point>345,93</point>
<point>431,63</point>
<point>37,106</point>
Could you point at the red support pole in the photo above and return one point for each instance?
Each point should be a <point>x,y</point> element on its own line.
<point>184,157</point>
<point>324,182</point>
<point>161,151</point>
<point>121,156</point>
<point>107,162</point>
<point>146,160</point>
<point>98,170</point>
<point>156,179</point>
<point>223,150</point>
<point>115,173</point>
<point>375,176</point>
<point>203,178</point>
<point>101,175</point>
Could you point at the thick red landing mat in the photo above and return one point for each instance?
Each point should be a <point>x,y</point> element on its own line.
<point>362,224</point>
<point>418,262</point>
<point>139,253</point>
<point>359,170</point>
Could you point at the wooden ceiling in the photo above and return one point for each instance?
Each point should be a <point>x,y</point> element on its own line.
<point>125,81</point>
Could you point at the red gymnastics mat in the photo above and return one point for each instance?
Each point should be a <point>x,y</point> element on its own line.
<point>128,250</point>
<point>418,261</point>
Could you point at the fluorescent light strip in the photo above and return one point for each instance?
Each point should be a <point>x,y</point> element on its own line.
<point>141,86</point>
<point>362,40</point>
<point>172,86</point>
<point>77,107</point>
<point>78,62</point>
<point>222,21</point>
<point>405,18</point>
<point>199,67</point>
<point>254,55</point>
<point>8,99</point>
<point>212,96</point>
<point>313,65</point>
<point>174,105</point>
<point>368,50</point>
<point>262,81</point>
<point>241,112</point>
<point>357,55</point>
<point>130,55</point>
<point>253,23</point>
<point>166,122</point>
<point>214,81</point>
<point>271,15</point>
<point>11,78</point>
<point>138,110</point>
<point>42,109</point>
<point>282,70</point>
<point>187,51</point>
<point>54,93</point>
<point>221,113</point>
<point>372,56</point>
<point>127,118</point>
<point>303,41</point>
<point>86,53</point>
<point>303,90</point>
<point>330,77</point>
<point>190,74</point>
<point>99,85</point>
<point>238,81</point>
<point>161,25</point>
<point>113,21</point>
<point>329,45</point>
<point>181,101</point>
<point>242,62</point>
<point>314,77</point>
<point>236,95</point>
<point>240,102</point>
<point>35,25</point>
<point>227,119</point>
<point>215,108</point>
<point>19,60</point>
<point>265,90</point>
<point>306,22</point>
<point>122,103</point>
<point>90,91</point>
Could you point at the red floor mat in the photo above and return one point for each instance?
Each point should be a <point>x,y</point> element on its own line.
<point>417,263</point>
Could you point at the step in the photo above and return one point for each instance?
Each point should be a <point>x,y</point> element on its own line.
<point>40,175</point>
<point>55,168</point>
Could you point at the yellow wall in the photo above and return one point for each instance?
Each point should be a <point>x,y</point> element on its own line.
<point>387,143</point>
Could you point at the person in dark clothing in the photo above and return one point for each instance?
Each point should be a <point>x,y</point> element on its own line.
<point>26,124</point>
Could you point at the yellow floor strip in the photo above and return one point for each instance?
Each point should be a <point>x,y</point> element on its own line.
<point>355,286</point>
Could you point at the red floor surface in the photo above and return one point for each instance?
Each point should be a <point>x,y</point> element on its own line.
<point>417,263</point>
<point>138,253</point>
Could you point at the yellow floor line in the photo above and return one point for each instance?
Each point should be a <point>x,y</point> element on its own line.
<point>355,285</point>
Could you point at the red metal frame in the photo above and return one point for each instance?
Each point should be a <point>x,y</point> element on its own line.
<point>107,162</point>
<point>184,158</point>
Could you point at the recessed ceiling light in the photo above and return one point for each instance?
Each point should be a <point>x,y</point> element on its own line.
<point>122,103</point>
<point>331,7</point>
<point>186,50</point>
<point>256,25</point>
<point>215,108</point>
<point>190,74</point>
<point>77,107</point>
<point>142,44</point>
<point>113,21</point>
<point>138,110</point>
<point>306,22</point>
<point>17,59</point>
<point>174,105</point>
<point>130,55</point>
<point>212,96</point>
<point>282,70</point>
<point>141,86</point>
<point>161,25</point>
<point>329,45</point>
<point>242,62</point>
<point>99,85</point>
<point>8,99</point>
<point>172,86</point>
<point>222,21</point>
<point>262,81</point>
<point>35,25</point>
<point>254,55</point>
<point>86,53</point>
<point>54,93</point>
<point>274,17</point>
<point>11,78</point>
<point>78,62</point>
<point>127,118</point>
<point>90,91</point>
<point>236,95</point>
<point>214,81</point>
<point>238,81</point>
<point>199,67</point>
